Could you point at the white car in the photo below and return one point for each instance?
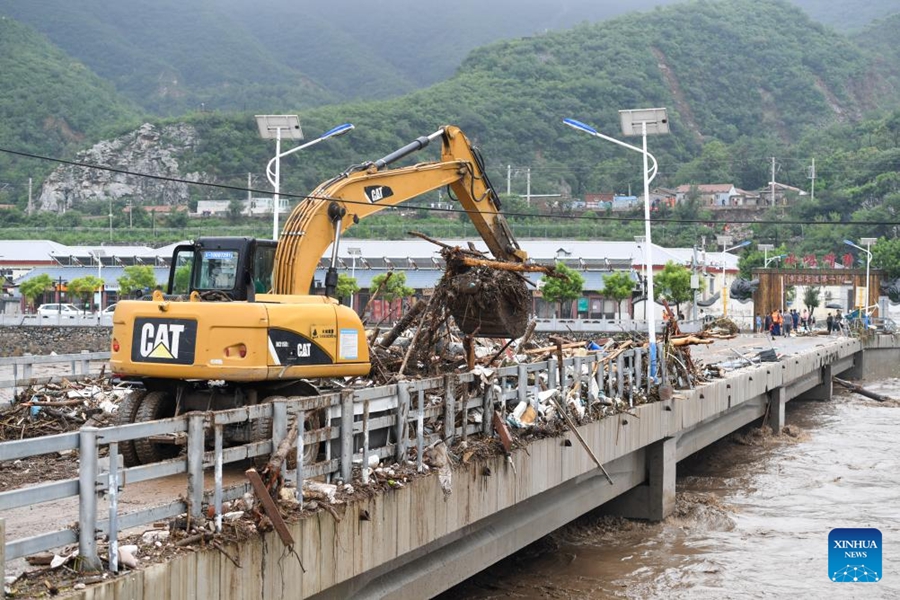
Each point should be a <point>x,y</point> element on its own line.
<point>58,310</point>
<point>109,310</point>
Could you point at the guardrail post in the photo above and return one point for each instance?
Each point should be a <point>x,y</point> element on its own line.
<point>87,499</point>
<point>218,458</point>
<point>3,554</point>
<point>488,408</point>
<point>579,366</point>
<point>552,371</point>
<point>346,435</point>
<point>450,408</point>
<point>636,368</point>
<point>279,421</point>
<point>402,414</point>
<point>301,426</point>
<point>620,376</point>
<point>420,433</point>
<point>365,453</point>
<point>522,383</point>
<point>195,446</point>
<point>114,507</point>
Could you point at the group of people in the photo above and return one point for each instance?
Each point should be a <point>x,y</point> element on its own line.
<point>780,323</point>
<point>835,323</point>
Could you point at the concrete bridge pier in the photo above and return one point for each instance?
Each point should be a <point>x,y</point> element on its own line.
<point>653,500</point>
<point>775,410</point>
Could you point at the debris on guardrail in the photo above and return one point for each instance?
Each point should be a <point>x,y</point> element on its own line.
<point>58,407</point>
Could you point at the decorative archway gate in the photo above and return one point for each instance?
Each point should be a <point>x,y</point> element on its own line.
<point>769,295</point>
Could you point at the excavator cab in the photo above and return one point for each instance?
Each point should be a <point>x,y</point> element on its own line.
<point>227,268</point>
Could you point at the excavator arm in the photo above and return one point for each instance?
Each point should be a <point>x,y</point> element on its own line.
<point>337,204</point>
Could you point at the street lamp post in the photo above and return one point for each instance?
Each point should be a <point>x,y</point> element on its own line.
<point>765,248</point>
<point>868,242</point>
<point>278,126</point>
<point>725,240</point>
<point>778,257</point>
<point>641,241</point>
<point>98,253</point>
<point>641,122</point>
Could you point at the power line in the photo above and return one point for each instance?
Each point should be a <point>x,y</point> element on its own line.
<point>598,218</point>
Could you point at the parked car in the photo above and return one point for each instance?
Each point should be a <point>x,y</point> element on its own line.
<point>109,310</point>
<point>58,310</point>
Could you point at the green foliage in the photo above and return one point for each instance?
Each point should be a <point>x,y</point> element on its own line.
<point>34,287</point>
<point>673,283</point>
<point>393,287</point>
<point>886,255</point>
<point>347,286</point>
<point>558,289</point>
<point>811,298</point>
<point>85,287</point>
<point>617,286</point>
<point>182,280</point>
<point>138,277</point>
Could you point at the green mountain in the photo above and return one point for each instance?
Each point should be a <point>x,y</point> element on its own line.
<point>755,74</point>
<point>172,56</point>
<point>49,104</point>
<point>752,74</point>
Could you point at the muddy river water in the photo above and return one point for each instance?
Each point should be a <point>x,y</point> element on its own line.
<point>752,520</point>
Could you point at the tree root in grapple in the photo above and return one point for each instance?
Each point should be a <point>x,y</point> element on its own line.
<point>486,302</point>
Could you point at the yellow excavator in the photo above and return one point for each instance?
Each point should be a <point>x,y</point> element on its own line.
<point>238,325</point>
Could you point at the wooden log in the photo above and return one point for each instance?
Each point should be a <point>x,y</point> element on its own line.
<point>510,266</point>
<point>690,340</point>
<point>545,349</point>
<point>403,324</point>
<point>858,389</point>
<point>269,507</point>
<point>273,467</point>
<point>374,295</point>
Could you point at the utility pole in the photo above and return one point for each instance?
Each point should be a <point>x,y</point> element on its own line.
<point>812,176</point>
<point>30,205</point>
<point>249,193</point>
<point>528,186</point>
<point>773,181</point>
<point>695,281</point>
<point>508,180</point>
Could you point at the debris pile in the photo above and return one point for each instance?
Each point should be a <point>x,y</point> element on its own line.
<point>52,408</point>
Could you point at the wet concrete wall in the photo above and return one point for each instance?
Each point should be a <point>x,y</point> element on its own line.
<point>18,341</point>
<point>882,358</point>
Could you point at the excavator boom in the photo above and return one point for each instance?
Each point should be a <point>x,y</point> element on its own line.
<point>337,204</point>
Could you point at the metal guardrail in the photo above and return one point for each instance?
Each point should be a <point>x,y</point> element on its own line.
<point>79,364</point>
<point>82,320</point>
<point>351,426</point>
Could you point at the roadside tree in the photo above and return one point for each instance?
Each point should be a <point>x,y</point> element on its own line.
<point>557,289</point>
<point>617,286</point>
<point>34,287</point>
<point>136,277</point>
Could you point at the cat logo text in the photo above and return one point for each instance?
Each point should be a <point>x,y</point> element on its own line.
<point>164,340</point>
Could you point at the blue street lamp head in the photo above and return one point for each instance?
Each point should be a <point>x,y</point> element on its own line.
<point>744,243</point>
<point>336,131</point>
<point>849,243</point>
<point>581,126</point>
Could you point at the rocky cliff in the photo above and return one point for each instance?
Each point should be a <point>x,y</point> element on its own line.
<point>149,150</point>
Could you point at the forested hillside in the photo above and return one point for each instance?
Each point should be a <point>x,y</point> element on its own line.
<point>49,104</point>
<point>173,57</point>
<point>753,75</point>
